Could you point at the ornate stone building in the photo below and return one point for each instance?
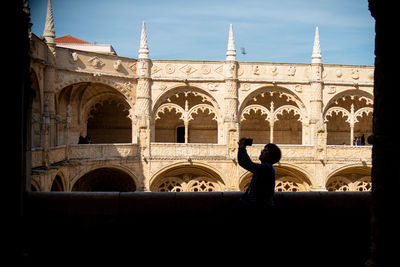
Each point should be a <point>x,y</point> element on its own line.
<point>173,125</point>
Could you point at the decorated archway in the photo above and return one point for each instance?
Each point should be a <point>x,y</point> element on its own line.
<point>350,178</point>
<point>105,179</point>
<point>98,113</point>
<point>187,178</point>
<point>186,115</point>
<point>287,178</point>
<point>348,118</point>
<point>272,115</point>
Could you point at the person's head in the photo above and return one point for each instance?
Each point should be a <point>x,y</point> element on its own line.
<point>271,154</point>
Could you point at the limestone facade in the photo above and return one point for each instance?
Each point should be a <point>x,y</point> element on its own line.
<point>173,125</point>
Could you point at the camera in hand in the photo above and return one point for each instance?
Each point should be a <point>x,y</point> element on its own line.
<point>248,141</point>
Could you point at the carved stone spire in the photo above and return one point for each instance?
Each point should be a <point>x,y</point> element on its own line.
<point>143,48</point>
<point>49,33</point>
<point>231,51</point>
<point>316,54</point>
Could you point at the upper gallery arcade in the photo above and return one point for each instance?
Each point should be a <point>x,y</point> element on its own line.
<point>173,125</point>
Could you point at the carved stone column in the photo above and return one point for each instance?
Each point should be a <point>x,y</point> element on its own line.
<point>316,100</point>
<point>231,127</point>
<point>49,109</point>
<point>67,126</point>
<point>316,87</point>
<point>230,104</point>
<point>143,106</point>
<point>317,127</point>
<point>143,110</point>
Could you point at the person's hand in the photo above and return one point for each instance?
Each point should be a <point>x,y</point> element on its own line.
<point>242,142</point>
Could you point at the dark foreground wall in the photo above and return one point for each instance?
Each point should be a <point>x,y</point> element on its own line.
<point>185,229</point>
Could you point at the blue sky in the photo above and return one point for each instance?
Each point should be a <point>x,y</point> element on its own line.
<point>269,30</point>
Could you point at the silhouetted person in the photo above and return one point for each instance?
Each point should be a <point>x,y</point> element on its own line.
<point>362,142</point>
<point>88,139</point>
<point>81,140</point>
<point>356,141</point>
<point>259,197</point>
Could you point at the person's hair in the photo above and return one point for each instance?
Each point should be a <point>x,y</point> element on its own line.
<point>274,152</point>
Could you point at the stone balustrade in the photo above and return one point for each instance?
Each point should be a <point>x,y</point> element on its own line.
<point>195,151</point>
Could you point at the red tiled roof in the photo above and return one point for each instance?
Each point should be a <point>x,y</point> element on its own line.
<point>68,39</point>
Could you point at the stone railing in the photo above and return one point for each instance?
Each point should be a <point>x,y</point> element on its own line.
<point>337,152</point>
<point>83,152</point>
<point>109,151</point>
<point>174,150</point>
<point>194,151</point>
<point>289,152</point>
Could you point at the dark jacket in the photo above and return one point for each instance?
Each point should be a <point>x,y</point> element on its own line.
<point>262,185</point>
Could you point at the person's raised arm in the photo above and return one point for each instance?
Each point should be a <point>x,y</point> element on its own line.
<point>244,159</point>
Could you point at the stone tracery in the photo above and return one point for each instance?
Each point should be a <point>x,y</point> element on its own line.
<point>186,182</point>
<point>341,183</point>
<point>357,112</point>
<point>193,107</point>
<point>275,107</point>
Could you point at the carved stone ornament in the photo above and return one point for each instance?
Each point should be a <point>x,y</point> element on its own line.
<point>256,70</point>
<point>339,73</point>
<point>246,87</point>
<point>230,72</point>
<point>170,68</point>
<point>331,89</point>
<point>298,88</point>
<point>117,65</point>
<point>355,74</point>
<point>205,69</point>
<point>155,69</point>
<point>133,67</point>
<point>212,86</point>
<point>220,70</point>
<point>74,56</point>
<point>162,87</point>
<point>96,62</point>
<point>274,70</point>
<point>188,69</point>
<point>291,71</point>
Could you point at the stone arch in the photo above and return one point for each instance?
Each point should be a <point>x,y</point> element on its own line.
<point>290,95</point>
<point>244,180</point>
<point>183,177</point>
<point>288,178</point>
<point>82,99</point>
<point>292,178</point>
<point>105,178</point>
<point>123,86</point>
<point>367,97</point>
<point>348,115</point>
<point>35,185</point>
<point>186,89</point>
<point>352,177</point>
<point>272,114</point>
<point>58,183</point>
<point>108,121</point>
<point>193,107</point>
